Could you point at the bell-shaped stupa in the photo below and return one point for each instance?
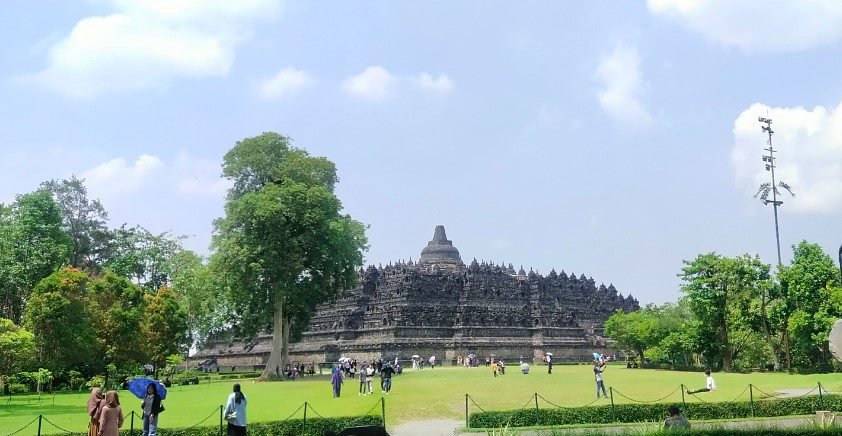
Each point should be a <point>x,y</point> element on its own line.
<point>441,252</point>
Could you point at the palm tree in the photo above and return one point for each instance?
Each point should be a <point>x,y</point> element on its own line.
<point>766,188</point>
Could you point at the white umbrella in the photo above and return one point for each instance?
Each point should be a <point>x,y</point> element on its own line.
<point>415,356</point>
<point>548,353</point>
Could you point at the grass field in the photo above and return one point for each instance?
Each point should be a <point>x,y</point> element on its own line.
<point>430,393</point>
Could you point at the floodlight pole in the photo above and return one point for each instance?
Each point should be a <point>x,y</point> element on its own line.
<point>770,166</point>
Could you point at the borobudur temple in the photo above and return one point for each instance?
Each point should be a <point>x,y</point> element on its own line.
<point>440,306</point>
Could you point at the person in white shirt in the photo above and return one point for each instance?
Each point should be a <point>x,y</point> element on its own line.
<point>710,385</point>
<point>235,412</point>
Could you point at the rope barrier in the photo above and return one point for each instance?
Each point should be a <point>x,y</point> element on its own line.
<point>293,413</point>
<point>311,409</point>
<point>766,394</point>
<point>214,413</point>
<point>373,407</point>
<point>56,426</point>
<point>647,402</point>
<point>475,404</point>
<point>741,394</point>
<point>22,428</point>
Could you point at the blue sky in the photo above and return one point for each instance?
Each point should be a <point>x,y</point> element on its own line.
<point>607,138</point>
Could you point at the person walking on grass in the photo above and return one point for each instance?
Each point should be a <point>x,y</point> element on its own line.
<point>386,378</point>
<point>111,415</point>
<point>363,379</point>
<point>549,363</point>
<point>597,376</point>
<point>235,412</point>
<point>336,381</point>
<point>710,385</point>
<point>95,404</point>
<point>151,407</point>
<point>675,421</point>
<point>494,367</point>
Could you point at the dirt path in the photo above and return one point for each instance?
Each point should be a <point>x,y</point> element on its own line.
<point>430,427</point>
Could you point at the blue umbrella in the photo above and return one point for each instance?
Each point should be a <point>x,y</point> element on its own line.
<point>138,387</point>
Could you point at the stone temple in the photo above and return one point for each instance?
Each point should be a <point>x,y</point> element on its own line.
<point>440,306</point>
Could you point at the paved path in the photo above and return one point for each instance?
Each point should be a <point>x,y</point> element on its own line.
<point>431,427</point>
<point>792,393</point>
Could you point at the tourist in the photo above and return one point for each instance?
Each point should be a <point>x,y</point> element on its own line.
<point>235,412</point>
<point>95,404</point>
<point>710,385</point>
<point>597,376</point>
<point>336,381</point>
<point>386,378</point>
<point>369,375</point>
<point>502,367</point>
<point>487,362</point>
<point>524,368</point>
<point>494,368</point>
<point>432,362</point>
<point>363,377</point>
<point>111,416</point>
<point>675,421</point>
<point>151,407</point>
<point>396,361</point>
<point>549,363</point>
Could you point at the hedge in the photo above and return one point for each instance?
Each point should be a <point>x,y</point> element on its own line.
<point>291,427</point>
<point>527,416</point>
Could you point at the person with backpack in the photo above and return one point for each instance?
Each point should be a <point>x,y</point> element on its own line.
<point>235,412</point>
<point>363,379</point>
<point>386,378</point>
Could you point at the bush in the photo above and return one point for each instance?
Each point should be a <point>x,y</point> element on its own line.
<point>292,427</point>
<point>653,412</point>
<point>18,388</point>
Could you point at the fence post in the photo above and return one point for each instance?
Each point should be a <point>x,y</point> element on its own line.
<point>751,398</point>
<point>466,410</point>
<point>383,410</point>
<point>220,420</point>
<point>39,424</point>
<point>131,423</point>
<point>683,403</point>
<point>821,398</point>
<point>304,424</point>
<point>537,412</point>
<point>613,412</point>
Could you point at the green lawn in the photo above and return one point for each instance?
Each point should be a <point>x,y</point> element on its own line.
<point>431,393</point>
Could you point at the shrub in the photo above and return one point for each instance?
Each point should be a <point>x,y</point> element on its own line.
<point>293,427</point>
<point>653,412</point>
<point>18,388</point>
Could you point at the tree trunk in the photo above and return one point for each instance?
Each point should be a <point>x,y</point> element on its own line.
<point>776,360</point>
<point>279,354</point>
<point>787,351</point>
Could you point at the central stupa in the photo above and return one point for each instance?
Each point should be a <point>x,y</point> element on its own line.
<point>441,252</point>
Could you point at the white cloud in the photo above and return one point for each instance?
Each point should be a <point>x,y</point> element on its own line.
<point>199,177</point>
<point>288,81</point>
<point>810,157</point>
<point>440,85</point>
<point>377,83</point>
<point>622,84</point>
<point>145,43</point>
<point>758,25</point>
<point>117,176</point>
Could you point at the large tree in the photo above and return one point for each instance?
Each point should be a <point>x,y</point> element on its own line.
<point>197,291</point>
<point>719,289</point>
<point>164,327</point>
<point>142,256</point>
<point>32,246</point>
<point>17,349</point>
<point>117,305</point>
<point>636,331</point>
<point>283,246</point>
<point>811,303</point>
<point>83,219</point>
<point>57,315</point>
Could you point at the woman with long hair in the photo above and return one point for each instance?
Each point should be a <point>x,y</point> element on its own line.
<point>111,417</point>
<point>151,407</point>
<point>235,412</point>
<point>94,406</point>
